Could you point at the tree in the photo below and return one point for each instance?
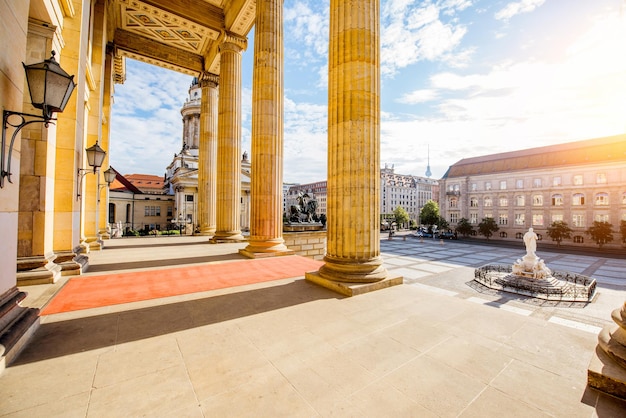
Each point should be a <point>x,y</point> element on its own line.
<point>464,227</point>
<point>601,232</point>
<point>429,215</point>
<point>487,227</point>
<point>442,223</point>
<point>401,216</point>
<point>622,230</point>
<point>559,231</point>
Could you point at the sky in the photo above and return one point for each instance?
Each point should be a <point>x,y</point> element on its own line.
<point>459,79</point>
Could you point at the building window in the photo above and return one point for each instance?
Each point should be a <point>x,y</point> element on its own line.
<point>152,211</point>
<point>578,180</point>
<point>602,217</point>
<point>519,184</point>
<point>602,199</point>
<point>578,220</point>
<point>520,200</point>
<point>454,218</point>
<point>503,219</point>
<point>503,234</point>
<point>504,202</point>
<point>536,182</point>
<point>474,187</point>
<point>111,213</point>
<point>537,219</point>
<point>454,203</point>
<point>557,217</point>
<point>502,184</point>
<point>578,239</point>
<point>538,200</point>
<point>170,211</point>
<point>488,202</point>
<point>601,178</point>
<point>578,199</point>
<point>556,181</point>
<point>557,200</point>
<point>189,197</point>
<point>520,219</point>
<point>488,185</point>
<point>488,215</point>
<point>519,235</point>
<point>474,202</point>
<point>473,218</point>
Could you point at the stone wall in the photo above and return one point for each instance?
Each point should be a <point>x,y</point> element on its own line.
<point>308,244</point>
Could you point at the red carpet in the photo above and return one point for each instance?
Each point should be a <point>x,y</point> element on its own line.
<point>111,289</point>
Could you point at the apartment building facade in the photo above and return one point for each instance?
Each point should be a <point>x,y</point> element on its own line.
<point>578,183</point>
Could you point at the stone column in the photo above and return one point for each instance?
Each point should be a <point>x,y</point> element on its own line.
<point>353,263</point>
<point>207,154</point>
<point>229,142</point>
<point>607,368</point>
<point>103,205</point>
<point>69,147</point>
<point>266,229</point>
<point>94,111</point>
<point>36,180</point>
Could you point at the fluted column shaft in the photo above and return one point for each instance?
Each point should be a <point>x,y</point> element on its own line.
<point>229,142</point>
<point>207,154</point>
<point>267,131</point>
<point>353,247</point>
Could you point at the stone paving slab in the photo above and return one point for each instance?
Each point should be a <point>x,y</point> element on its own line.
<point>290,348</point>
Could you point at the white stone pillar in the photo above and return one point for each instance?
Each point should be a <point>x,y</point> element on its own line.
<point>207,158</point>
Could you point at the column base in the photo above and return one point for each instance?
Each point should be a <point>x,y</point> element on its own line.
<point>606,375</point>
<point>17,325</point>
<point>37,270</point>
<point>260,248</point>
<point>352,289</point>
<point>260,254</point>
<point>72,264</point>
<point>222,239</point>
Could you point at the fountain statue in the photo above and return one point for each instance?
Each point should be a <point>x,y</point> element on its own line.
<point>531,277</point>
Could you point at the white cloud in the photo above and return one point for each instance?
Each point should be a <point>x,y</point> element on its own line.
<point>518,7</point>
<point>413,31</point>
<point>419,96</point>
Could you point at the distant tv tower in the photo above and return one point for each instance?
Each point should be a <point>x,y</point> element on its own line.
<point>428,173</point>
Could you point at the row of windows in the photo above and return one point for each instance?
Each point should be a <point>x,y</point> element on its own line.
<point>538,219</point>
<point>578,199</point>
<point>577,180</point>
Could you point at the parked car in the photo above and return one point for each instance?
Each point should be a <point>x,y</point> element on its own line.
<point>424,234</point>
<point>447,235</point>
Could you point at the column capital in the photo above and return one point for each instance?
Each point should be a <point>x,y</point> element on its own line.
<point>208,79</point>
<point>233,42</point>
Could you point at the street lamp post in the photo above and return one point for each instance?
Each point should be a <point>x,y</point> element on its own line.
<point>50,88</point>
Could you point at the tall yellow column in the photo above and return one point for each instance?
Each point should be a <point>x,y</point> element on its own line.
<point>266,230</point>
<point>353,263</point>
<point>107,89</point>
<point>229,142</point>
<point>207,164</point>
<point>69,148</point>
<point>35,258</point>
<point>95,82</point>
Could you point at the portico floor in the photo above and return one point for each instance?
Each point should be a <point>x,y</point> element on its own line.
<point>435,346</point>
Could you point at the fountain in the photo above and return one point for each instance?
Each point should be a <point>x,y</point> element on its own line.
<point>530,276</point>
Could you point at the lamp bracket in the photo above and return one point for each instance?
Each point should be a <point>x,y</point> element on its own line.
<point>24,119</point>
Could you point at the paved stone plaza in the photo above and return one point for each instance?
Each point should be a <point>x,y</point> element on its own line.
<point>435,346</point>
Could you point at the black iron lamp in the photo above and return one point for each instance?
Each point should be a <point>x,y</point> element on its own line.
<point>109,177</point>
<point>95,158</point>
<point>50,88</point>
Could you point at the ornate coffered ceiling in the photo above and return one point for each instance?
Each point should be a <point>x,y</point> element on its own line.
<point>182,35</point>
